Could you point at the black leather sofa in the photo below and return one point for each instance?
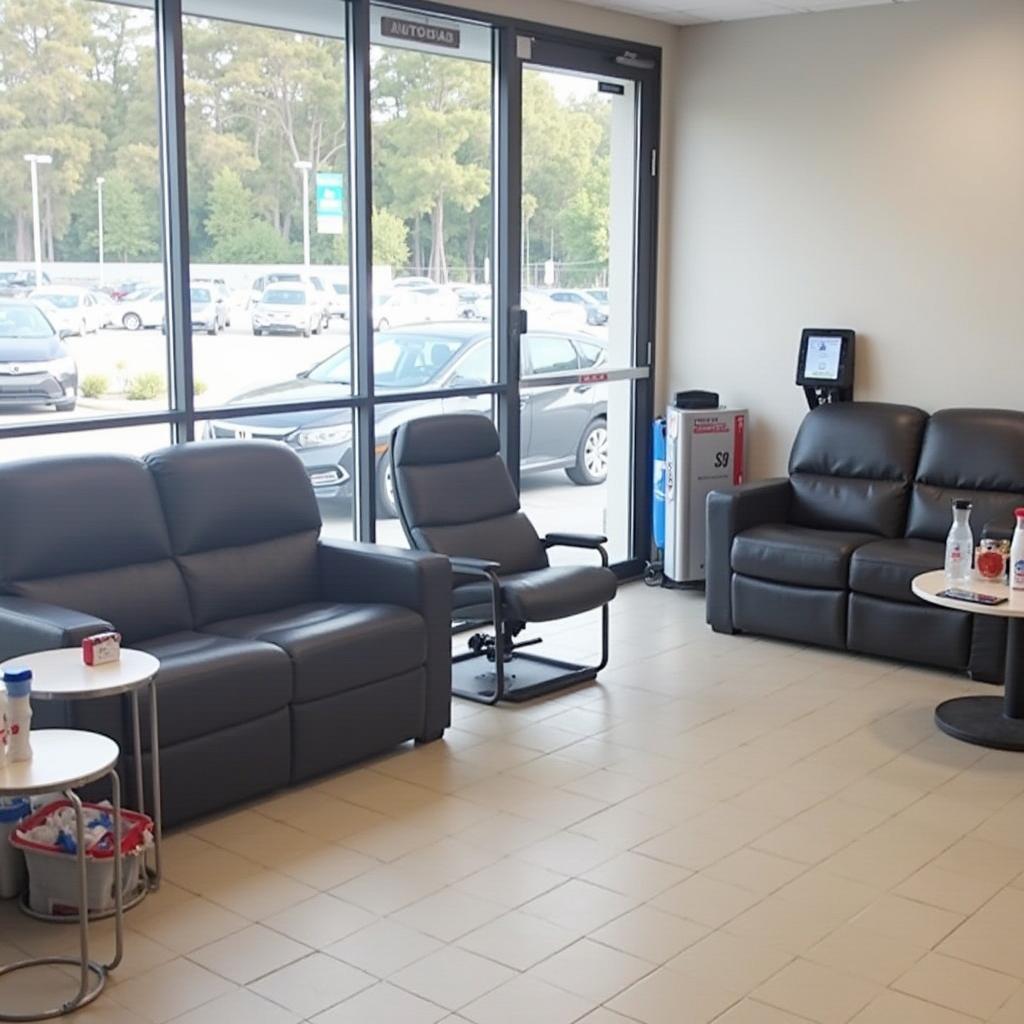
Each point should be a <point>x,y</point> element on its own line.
<point>826,555</point>
<point>282,655</point>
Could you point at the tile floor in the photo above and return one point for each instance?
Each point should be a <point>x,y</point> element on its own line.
<point>725,829</point>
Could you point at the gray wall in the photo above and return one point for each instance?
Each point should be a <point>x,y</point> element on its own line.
<point>860,168</point>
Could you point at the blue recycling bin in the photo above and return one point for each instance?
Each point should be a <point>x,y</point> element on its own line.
<point>659,452</point>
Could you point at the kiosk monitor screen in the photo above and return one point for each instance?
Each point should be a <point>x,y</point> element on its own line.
<point>822,359</point>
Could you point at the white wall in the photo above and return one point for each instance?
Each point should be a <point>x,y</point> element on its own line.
<point>859,168</point>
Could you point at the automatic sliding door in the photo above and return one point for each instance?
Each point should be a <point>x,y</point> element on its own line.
<point>580,369</point>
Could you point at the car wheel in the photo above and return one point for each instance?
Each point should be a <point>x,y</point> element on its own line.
<point>307,331</point>
<point>258,332</point>
<point>132,321</point>
<point>383,325</point>
<point>83,329</point>
<point>68,406</point>
<point>387,507</point>
<point>591,456</point>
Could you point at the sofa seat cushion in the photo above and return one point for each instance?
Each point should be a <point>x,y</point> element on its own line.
<point>336,647</point>
<point>797,554</point>
<point>884,568</point>
<point>209,683</point>
<point>545,594</point>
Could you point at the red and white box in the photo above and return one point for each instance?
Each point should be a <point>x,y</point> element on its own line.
<point>101,648</point>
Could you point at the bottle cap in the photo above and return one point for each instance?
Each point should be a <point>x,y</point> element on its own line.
<point>18,681</point>
<point>961,503</point>
<point>1018,512</point>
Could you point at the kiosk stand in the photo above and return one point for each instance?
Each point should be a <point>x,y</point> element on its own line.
<point>825,367</point>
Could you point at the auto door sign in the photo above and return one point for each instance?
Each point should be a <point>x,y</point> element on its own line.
<point>418,32</point>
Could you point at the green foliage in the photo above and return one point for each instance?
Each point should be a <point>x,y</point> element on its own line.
<point>199,387</point>
<point>145,386</point>
<point>237,235</point>
<point>94,385</point>
<point>390,239</point>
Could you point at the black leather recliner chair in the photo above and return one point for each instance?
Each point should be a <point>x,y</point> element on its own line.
<point>826,555</point>
<point>455,497</point>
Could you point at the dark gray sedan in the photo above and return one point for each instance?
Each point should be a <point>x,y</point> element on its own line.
<point>564,426</point>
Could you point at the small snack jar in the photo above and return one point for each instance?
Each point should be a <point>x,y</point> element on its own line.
<point>990,559</point>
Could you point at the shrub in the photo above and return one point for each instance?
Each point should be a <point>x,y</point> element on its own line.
<point>198,387</point>
<point>145,386</point>
<point>95,385</point>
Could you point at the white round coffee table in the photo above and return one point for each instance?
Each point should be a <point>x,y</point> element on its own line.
<point>62,674</point>
<point>64,760</point>
<point>996,722</point>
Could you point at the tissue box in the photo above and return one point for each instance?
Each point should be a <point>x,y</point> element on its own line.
<point>102,648</point>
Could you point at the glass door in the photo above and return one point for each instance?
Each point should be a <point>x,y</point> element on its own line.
<point>584,385</point>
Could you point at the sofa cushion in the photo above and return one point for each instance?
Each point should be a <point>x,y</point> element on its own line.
<point>88,532</point>
<point>851,466</point>
<point>884,568</point>
<point>977,454</point>
<point>797,554</point>
<point>243,524</point>
<point>336,647</point>
<point>546,594</point>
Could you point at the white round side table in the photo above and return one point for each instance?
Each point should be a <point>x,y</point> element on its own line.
<point>61,674</point>
<point>996,722</point>
<point>66,759</point>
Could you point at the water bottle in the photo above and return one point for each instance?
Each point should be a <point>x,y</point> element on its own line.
<point>960,544</point>
<point>18,682</point>
<point>1017,552</point>
<point>3,727</point>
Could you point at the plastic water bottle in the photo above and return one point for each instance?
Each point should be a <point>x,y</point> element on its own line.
<point>3,728</point>
<point>960,544</point>
<point>18,682</point>
<point>1017,552</point>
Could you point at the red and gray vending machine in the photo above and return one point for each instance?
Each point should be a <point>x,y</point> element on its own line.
<point>705,451</point>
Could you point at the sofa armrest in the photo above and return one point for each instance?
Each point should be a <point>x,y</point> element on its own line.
<point>371,574</point>
<point>27,626</point>
<point>730,512</point>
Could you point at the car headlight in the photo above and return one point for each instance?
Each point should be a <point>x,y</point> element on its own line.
<point>59,367</point>
<point>321,437</point>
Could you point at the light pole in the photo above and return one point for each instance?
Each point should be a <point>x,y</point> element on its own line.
<point>34,160</point>
<point>305,166</point>
<point>99,215</point>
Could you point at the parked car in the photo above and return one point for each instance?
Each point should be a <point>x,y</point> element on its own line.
<point>36,366</point>
<point>288,307</point>
<point>563,426</point>
<point>209,309</point>
<point>413,306</point>
<point>474,301</point>
<point>143,308</point>
<point>339,299</point>
<point>412,282</point>
<point>543,312</point>
<point>71,309</point>
<point>123,289</point>
<point>221,293</point>
<point>14,283</point>
<point>315,287</point>
<point>596,316</point>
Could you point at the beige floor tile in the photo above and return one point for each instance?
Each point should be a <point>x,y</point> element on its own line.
<point>579,905</point>
<point>958,985</point>
<point>760,872</point>
<point>739,964</point>
<point>449,914</point>
<point>818,993</point>
<point>511,882</point>
<point>750,1011</point>
<point>670,997</point>
<point>950,890</point>
<point>319,921</point>
<point>527,999</point>
<point>189,925</point>
<point>170,990</point>
<point>452,977</point>
<point>621,827</point>
<point>604,1016</point>
<point>706,900</point>
<point>650,934</point>
<point>383,948</point>
<point>900,918</point>
<point>249,954</point>
<point>260,895</point>
<point>635,875</point>
<point>518,940</point>
<point>994,936</point>
<point>327,866</point>
<point>896,1008</point>
<point>312,984</point>
<point>794,927</point>
<point>867,954</point>
<point>386,889</point>
<point>591,970</point>
<point>568,853</point>
<point>1012,1011</point>
<point>382,1004</point>
<point>235,1006</point>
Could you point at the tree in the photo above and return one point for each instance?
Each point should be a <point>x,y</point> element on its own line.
<point>129,225</point>
<point>238,235</point>
<point>390,239</point>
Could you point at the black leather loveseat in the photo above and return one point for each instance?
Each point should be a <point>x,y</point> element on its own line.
<point>283,656</point>
<point>826,555</point>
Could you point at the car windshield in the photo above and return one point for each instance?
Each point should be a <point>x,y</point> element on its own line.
<point>23,322</point>
<point>341,289</point>
<point>142,293</point>
<point>200,295</point>
<point>271,278</point>
<point>598,294</point>
<point>399,361</point>
<point>285,296</point>
<point>62,300</point>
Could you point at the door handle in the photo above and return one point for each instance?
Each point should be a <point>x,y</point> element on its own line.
<point>582,389</point>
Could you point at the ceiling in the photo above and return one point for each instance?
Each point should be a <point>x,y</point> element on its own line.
<point>695,12</point>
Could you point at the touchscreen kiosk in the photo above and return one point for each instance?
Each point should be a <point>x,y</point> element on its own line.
<point>825,366</point>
